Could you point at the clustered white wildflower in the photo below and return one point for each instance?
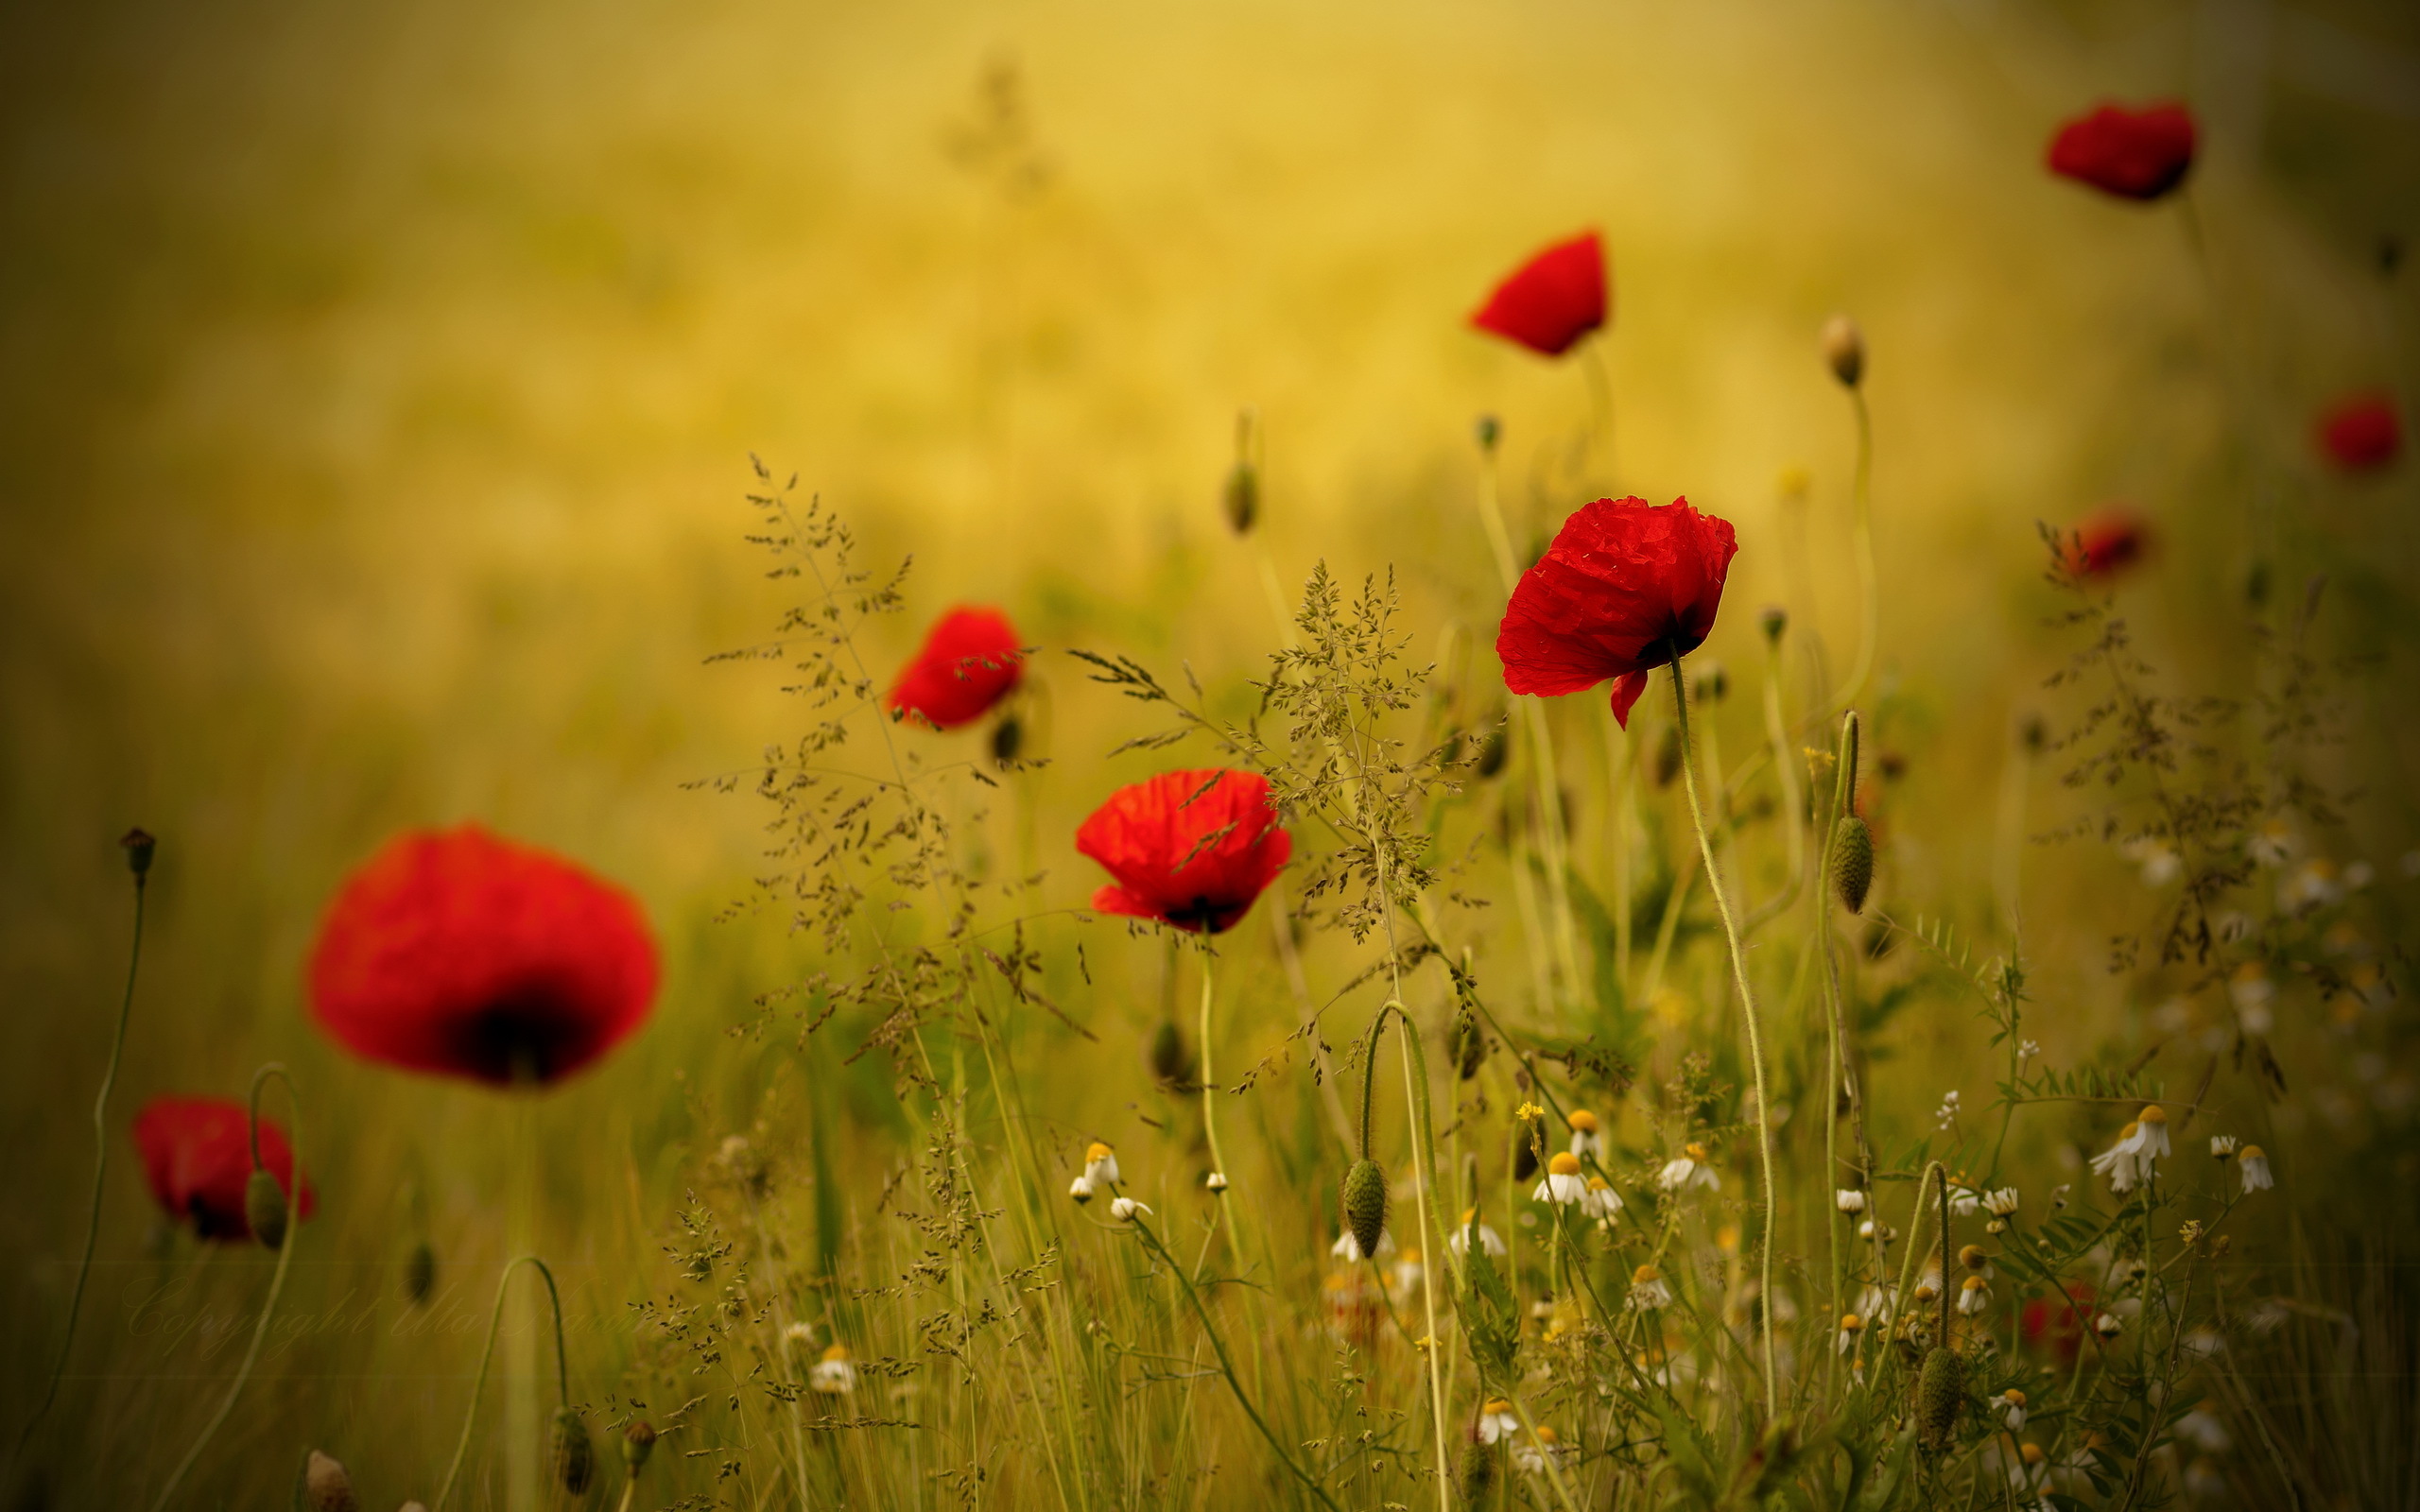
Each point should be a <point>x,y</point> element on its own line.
<point>1688,1170</point>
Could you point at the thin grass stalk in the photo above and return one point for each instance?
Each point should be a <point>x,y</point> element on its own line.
<point>487,1358</point>
<point>277,1277</point>
<point>1748,1009</point>
<point>1869,589</point>
<point>100,1176</point>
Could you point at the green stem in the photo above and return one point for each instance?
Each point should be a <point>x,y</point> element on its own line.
<point>1869,593</point>
<point>1748,1009</point>
<point>277,1279</point>
<point>100,1173</point>
<point>1209,1084</point>
<point>1844,793</point>
<point>487,1357</point>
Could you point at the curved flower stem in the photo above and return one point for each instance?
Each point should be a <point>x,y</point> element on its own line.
<point>1868,590</point>
<point>1226,1367</point>
<point>487,1357</point>
<point>1209,1084</point>
<point>277,1277</point>
<point>1934,1172</point>
<point>1748,1009</point>
<point>100,1173</point>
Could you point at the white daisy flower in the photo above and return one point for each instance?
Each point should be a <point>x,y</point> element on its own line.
<point>2153,1120</point>
<point>2011,1409</point>
<point>833,1375</point>
<point>2203,1430</point>
<point>1532,1458</point>
<point>1488,1240</point>
<point>1587,1141</point>
<point>1216,1182</point>
<point>801,1334</point>
<point>1689,1170</point>
<point>2251,992</point>
<point>1977,1260</point>
<point>2223,1146</point>
<point>1849,1200</point>
<point>1600,1200</point>
<point>2273,843</point>
<point>2001,1202</point>
<point>1124,1208</point>
<point>1964,1200</point>
<point>2253,1161</point>
<point>1851,1326</point>
<point>2108,1324</point>
<point>1497,1422</point>
<point>2120,1162</point>
<point>1974,1295</point>
<point>1648,1289</point>
<point>1101,1165</point>
<point>1348,1248</point>
<point>1563,1183</point>
<point>1874,1304</point>
<point>1081,1189</point>
<point>1408,1271</point>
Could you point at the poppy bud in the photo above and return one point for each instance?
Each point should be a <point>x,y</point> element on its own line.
<point>574,1456</point>
<point>1668,756</point>
<point>1478,1473</point>
<point>265,1209</point>
<point>1007,738</point>
<point>1171,1064</point>
<point>1470,1045</point>
<point>1851,862</point>
<point>1493,748</point>
<point>1713,685</point>
<point>1491,430</point>
<point>1844,350</point>
<point>1941,1391</point>
<point>2033,735</point>
<point>1775,620</point>
<point>1365,1204</point>
<point>638,1442</point>
<point>1242,493</point>
<point>420,1273</point>
<point>139,845</point>
<point>1524,1154</point>
<point>325,1485</point>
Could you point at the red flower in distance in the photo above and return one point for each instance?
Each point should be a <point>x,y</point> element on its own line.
<point>458,952</point>
<point>969,661</point>
<point>2108,543</point>
<point>2132,154</point>
<point>1188,849</point>
<point>1625,588</point>
<point>2058,1325</point>
<point>1552,301</point>
<point>2361,433</point>
<point>197,1155</point>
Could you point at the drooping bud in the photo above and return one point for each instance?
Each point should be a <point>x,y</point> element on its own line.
<point>574,1456</point>
<point>1241,495</point>
<point>1365,1204</point>
<point>420,1273</point>
<point>1477,1472</point>
<point>1490,431</point>
<point>1469,1044</point>
<point>638,1442</point>
<point>1844,350</point>
<point>1851,862</point>
<point>1941,1391</point>
<point>1007,738</point>
<point>1713,685</point>
<point>325,1485</point>
<point>1493,748</point>
<point>139,845</point>
<point>1668,756</point>
<point>1171,1063</point>
<point>1775,620</point>
<point>265,1209</point>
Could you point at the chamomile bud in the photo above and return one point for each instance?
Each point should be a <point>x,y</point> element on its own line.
<point>1851,1327</point>
<point>1080,1190</point>
<point>2011,1405</point>
<point>1974,1295</point>
<point>1647,1290</point>
<point>2252,1163</point>
<point>1586,1138</point>
<point>1849,1200</point>
<point>1216,1182</point>
<point>1773,620</point>
<point>1125,1208</point>
<point>1100,1164</point>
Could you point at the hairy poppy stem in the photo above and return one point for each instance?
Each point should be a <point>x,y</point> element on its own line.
<point>101,1174</point>
<point>277,1279</point>
<point>1748,1009</point>
<point>487,1357</point>
<point>1209,1086</point>
<point>1869,590</point>
<point>1842,1070</point>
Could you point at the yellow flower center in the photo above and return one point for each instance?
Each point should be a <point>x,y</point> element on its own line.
<point>1583,1121</point>
<point>1564,1163</point>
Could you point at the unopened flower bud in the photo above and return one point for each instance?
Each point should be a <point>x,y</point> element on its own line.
<point>1171,1063</point>
<point>1469,1044</point>
<point>420,1273</point>
<point>1007,738</point>
<point>1713,685</point>
<point>1493,748</point>
<point>638,1442</point>
<point>1941,1391</point>
<point>1477,1472</point>
<point>1851,862</point>
<point>1241,495</point>
<point>1775,620</point>
<point>1668,756</point>
<point>265,1209</point>
<point>139,845</point>
<point>1490,432</point>
<point>1365,1204</point>
<point>1844,350</point>
<point>574,1456</point>
<point>325,1485</point>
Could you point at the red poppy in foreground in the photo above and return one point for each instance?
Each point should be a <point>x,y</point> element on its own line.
<point>1188,849</point>
<point>1625,588</point>
<point>198,1156</point>
<point>2132,154</point>
<point>2361,433</point>
<point>969,661</point>
<point>1553,300</point>
<point>2107,543</point>
<point>463,953</point>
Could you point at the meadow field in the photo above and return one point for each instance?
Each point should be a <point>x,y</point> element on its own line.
<point>1969,1060</point>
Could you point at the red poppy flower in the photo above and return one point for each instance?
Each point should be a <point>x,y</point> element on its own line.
<point>2056,1324</point>
<point>1625,588</point>
<point>1188,849</point>
<point>2107,543</point>
<point>970,661</point>
<point>2132,154</point>
<point>460,952</point>
<point>2361,433</point>
<point>197,1155</point>
<point>1552,301</point>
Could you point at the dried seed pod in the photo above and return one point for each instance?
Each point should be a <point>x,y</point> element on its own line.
<point>638,1442</point>
<point>325,1485</point>
<point>1851,862</point>
<point>139,845</point>
<point>1469,1044</point>
<point>574,1456</point>
<point>420,1273</point>
<point>265,1209</point>
<point>1365,1204</point>
<point>1941,1391</point>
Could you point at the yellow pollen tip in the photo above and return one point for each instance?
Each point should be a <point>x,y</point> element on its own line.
<point>1498,1405</point>
<point>1468,1214</point>
<point>1546,1434</point>
<point>2252,1152</point>
<point>1645,1274</point>
<point>1095,1151</point>
<point>2033,1454</point>
<point>1850,1322</point>
<point>1564,1163</point>
<point>2013,1397</point>
<point>837,1351</point>
<point>1597,1183</point>
<point>1695,1152</point>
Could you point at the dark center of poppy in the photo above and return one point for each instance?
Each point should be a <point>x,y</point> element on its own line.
<point>532,1034</point>
<point>1210,916</point>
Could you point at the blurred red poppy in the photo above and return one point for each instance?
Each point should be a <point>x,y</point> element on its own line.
<point>2058,1324</point>
<point>2361,433</point>
<point>458,952</point>
<point>969,661</point>
<point>1553,300</point>
<point>1625,588</point>
<point>1188,849</point>
<point>2108,543</point>
<point>197,1155</point>
<point>2132,154</point>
